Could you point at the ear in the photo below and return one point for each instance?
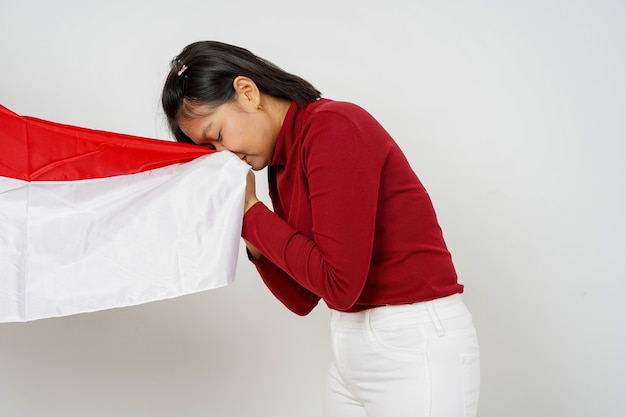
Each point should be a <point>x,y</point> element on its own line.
<point>246,92</point>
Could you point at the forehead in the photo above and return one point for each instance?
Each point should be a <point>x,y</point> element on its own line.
<point>193,118</point>
<point>190,110</point>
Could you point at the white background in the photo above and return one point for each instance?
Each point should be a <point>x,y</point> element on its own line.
<point>513,114</point>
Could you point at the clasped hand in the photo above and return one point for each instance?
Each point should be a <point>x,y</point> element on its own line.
<point>251,198</point>
<point>249,201</point>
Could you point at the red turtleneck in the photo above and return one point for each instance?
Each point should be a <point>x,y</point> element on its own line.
<point>352,223</point>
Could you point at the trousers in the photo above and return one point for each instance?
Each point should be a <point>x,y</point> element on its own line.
<point>412,360</point>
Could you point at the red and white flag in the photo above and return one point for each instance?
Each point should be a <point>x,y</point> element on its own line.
<point>91,220</point>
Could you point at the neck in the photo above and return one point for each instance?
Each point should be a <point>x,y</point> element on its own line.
<point>276,109</point>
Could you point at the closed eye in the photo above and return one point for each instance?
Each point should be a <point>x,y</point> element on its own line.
<point>209,143</point>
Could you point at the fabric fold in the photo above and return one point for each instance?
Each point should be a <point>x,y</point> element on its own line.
<point>92,220</point>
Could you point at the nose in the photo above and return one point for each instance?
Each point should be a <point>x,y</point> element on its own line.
<point>218,146</point>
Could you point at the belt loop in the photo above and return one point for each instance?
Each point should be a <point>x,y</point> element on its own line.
<point>368,326</point>
<point>435,318</point>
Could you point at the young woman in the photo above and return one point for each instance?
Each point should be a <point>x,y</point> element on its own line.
<point>351,224</point>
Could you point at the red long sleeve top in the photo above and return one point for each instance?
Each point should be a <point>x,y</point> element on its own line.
<point>352,223</point>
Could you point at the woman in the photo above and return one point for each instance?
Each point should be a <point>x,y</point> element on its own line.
<point>351,225</point>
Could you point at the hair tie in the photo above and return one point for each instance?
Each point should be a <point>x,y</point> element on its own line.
<point>182,69</point>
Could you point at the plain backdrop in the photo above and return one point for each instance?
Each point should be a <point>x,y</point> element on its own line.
<point>513,114</point>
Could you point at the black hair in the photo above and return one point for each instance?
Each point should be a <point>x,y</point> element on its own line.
<point>204,72</point>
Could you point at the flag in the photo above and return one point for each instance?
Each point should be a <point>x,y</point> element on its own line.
<point>92,220</point>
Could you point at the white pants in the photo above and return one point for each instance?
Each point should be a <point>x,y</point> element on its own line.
<point>415,360</point>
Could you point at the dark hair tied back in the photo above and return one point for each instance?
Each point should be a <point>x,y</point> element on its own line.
<point>204,73</point>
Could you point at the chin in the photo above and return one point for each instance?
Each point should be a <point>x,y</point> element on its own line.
<point>256,167</point>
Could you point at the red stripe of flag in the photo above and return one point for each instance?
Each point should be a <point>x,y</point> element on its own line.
<point>32,149</point>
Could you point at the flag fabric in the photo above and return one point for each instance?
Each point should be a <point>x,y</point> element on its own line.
<point>91,220</point>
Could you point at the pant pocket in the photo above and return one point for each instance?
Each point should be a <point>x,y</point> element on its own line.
<point>471,383</point>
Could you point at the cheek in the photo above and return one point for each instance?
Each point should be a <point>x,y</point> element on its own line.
<point>247,134</point>
<point>264,138</point>
<point>235,132</point>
